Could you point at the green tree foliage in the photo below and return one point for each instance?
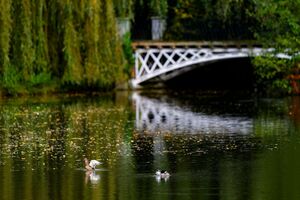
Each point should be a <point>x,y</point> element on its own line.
<point>73,43</point>
<point>123,8</point>
<point>279,27</point>
<point>128,54</point>
<point>279,23</point>
<point>273,23</point>
<point>272,73</point>
<point>159,7</point>
<point>5,31</point>
<point>210,20</point>
<point>71,39</point>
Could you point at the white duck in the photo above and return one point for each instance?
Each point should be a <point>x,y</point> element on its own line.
<point>162,174</point>
<point>91,165</point>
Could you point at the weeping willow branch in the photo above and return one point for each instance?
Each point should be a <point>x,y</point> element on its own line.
<point>73,43</point>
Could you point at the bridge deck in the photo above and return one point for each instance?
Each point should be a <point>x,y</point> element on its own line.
<point>194,44</point>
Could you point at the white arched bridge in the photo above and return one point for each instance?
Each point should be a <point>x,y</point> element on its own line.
<point>165,60</point>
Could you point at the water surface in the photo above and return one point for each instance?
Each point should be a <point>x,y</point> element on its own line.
<point>215,145</point>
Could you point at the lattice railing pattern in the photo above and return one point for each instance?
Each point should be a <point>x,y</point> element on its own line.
<point>151,62</point>
<point>157,59</point>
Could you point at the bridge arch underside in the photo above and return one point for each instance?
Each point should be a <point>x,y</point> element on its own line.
<point>233,73</point>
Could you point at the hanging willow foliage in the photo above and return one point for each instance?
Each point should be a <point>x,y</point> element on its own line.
<point>73,70</point>
<point>72,42</point>
<point>5,31</point>
<point>92,36</point>
<point>110,45</point>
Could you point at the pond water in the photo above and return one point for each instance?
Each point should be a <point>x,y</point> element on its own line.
<point>215,146</point>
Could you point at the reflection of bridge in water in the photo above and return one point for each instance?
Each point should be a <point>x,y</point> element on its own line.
<point>153,115</point>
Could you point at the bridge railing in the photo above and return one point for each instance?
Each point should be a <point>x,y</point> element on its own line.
<point>194,44</point>
<point>161,61</point>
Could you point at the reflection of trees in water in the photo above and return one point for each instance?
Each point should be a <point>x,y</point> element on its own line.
<point>198,145</point>
<point>56,138</point>
<point>47,142</point>
<point>208,162</point>
<point>61,132</point>
<point>294,110</point>
<point>187,146</point>
<point>273,119</point>
<point>45,136</point>
<point>142,150</point>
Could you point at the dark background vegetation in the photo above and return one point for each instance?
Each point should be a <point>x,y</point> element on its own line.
<point>50,46</point>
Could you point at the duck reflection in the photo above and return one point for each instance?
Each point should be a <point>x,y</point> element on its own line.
<point>92,176</point>
<point>160,179</point>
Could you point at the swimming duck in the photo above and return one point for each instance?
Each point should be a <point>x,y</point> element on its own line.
<point>91,165</point>
<point>162,174</point>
